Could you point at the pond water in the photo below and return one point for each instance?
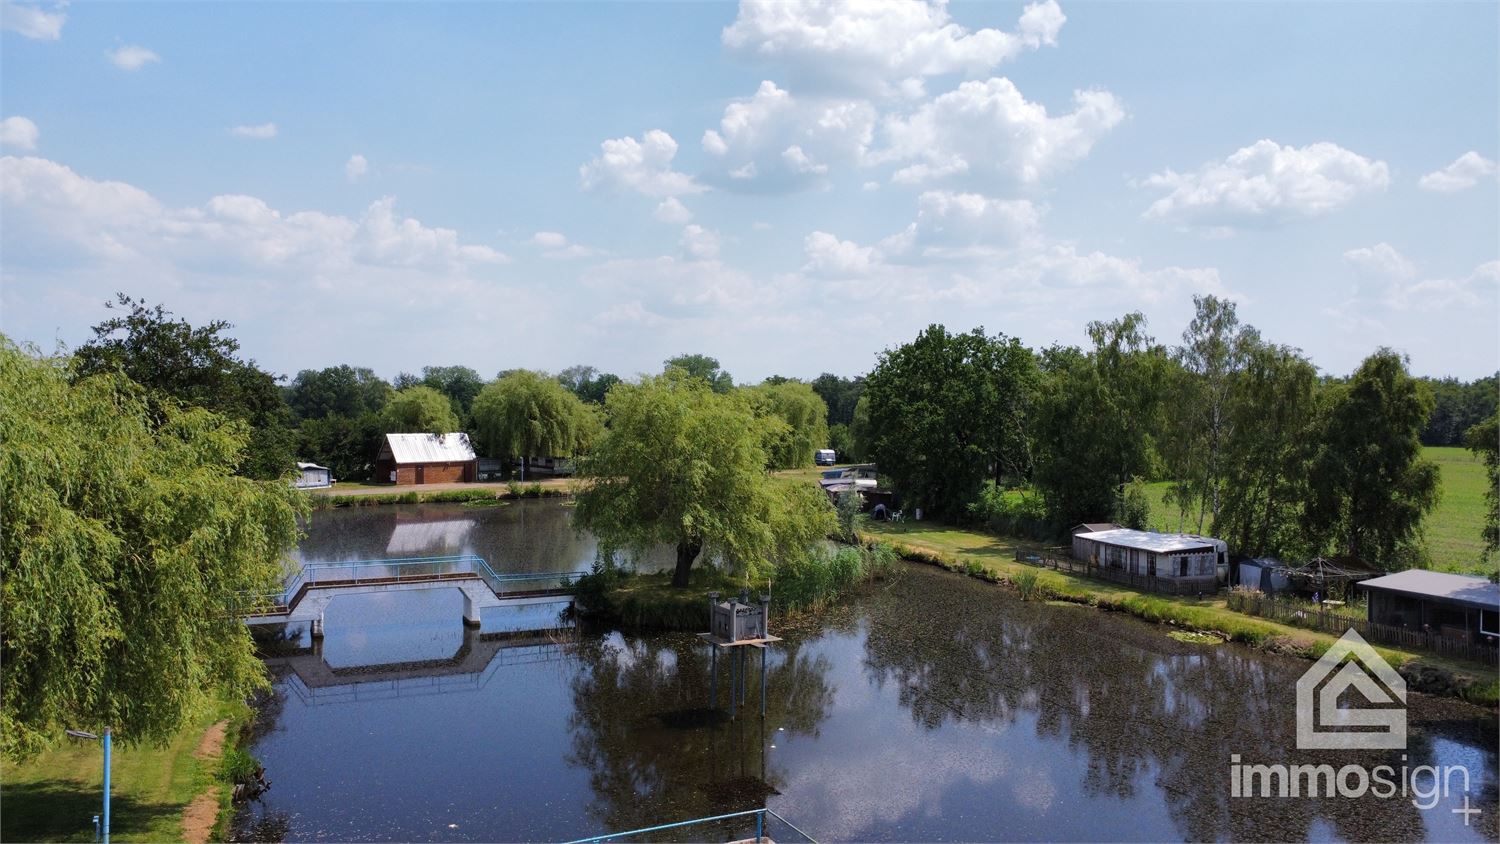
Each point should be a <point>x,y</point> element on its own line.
<point>932,707</point>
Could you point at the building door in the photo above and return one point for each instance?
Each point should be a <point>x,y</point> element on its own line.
<point>420,479</point>
<point>1151,564</point>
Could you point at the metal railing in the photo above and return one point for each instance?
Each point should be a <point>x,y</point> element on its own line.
<point>760,827</point>
<point>407,569</point>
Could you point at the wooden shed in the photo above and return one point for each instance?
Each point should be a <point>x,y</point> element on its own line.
<point>406,459</point>
<point>1453,605</point>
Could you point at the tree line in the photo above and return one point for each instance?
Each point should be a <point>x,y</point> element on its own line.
<point>1260,448</point>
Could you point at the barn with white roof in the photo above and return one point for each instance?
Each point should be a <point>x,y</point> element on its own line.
<point>406,459</point>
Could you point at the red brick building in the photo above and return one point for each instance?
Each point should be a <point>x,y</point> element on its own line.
<point>406,459</point>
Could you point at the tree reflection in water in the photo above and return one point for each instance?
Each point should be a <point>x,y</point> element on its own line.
<point>1150,713</point>
<point>653,747</point>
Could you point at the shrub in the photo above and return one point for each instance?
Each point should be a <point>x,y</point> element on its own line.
<point>1010,512</point>
<point>1027,583</point>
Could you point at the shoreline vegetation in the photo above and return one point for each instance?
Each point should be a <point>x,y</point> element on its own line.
<point>359,495</point>
<point>647,602</point>
<point>159,793</point>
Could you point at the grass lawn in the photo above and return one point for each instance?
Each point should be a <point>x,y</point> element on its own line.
<point>55,796</point>
<point>1452,528</point>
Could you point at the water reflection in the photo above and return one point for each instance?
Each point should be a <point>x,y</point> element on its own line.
<point>934,708</point>
<point>1149,715</point>
<point>655,748</point>
<point>528,535</point>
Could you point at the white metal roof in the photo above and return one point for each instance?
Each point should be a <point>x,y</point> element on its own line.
<point>430,448</point>
<point>1457,588</point>
<point>311,466</point>
<point>1148,541</point>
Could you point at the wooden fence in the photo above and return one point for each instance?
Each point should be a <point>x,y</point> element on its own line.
<point>1298,614</point>
<point>1058,560</point>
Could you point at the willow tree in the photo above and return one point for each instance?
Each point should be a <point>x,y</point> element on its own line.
<point>419,410</point>
<point>682,465</point>
<point>129,546</point>
<point>806,416</point>
<point>527,414</point>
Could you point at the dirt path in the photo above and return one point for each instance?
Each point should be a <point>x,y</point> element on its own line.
<point>199,817</point>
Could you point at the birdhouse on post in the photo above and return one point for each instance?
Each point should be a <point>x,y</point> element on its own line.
<point>738,620</point>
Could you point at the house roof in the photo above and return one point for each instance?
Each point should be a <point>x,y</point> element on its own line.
<point>301,465</point>
<point>1460,589</point>
<point>1148,541</point>
<point>430,448</point>
<point>1095,527</point>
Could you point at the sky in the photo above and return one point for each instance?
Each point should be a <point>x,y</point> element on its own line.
<point>791,187</point>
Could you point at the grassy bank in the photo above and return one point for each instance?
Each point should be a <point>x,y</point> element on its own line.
<point>1452,528</point>
<point>55,796</point>
<point>477,495</point>
<point>992,558</point>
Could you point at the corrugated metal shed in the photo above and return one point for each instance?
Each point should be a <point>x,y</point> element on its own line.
<point>429,448</point>
<point>1459,589</point>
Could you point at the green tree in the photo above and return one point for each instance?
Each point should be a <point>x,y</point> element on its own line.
<point>1213,351</point>
<point>947,411</point>
<point>1097,420</point>
<point>841,394</point>
<point>587,383</point>
<point>129,547</point>
<point>337,391</point>
<point>704,367</point>
<point>527,414</point>
<point>1370,487</point>
<point>681,465</point>
<point>1272,415</point>
<point>345,445</point>
<point>419,409</point>
<point>1484,440</point>
<point>806,418</point>
<point>459,383</point>
<point>197,367</point>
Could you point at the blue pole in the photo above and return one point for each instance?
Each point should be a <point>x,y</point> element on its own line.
<point>106,784</point>
<point>760,825</point>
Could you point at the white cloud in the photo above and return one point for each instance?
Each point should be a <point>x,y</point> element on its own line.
<point>989,130</point>
<point>18,132</point>
<point>775,142</point>
<point>1465,172</point>
<point>966,226</point>
<point>53,211</point>
<point>644,166</point>
<point>32,20</point>
<point>1382,258</point>
<point>699,243</point>
<point>828,255</point>
<point>356,167</point>
<point>1473,292</point>
<point>671,210</point>
<point>1265,184</point>
<point>881,47</point>
<point>132,57</point>
<point>871,186</point>
<point>261,131</point>
<point>555,245</point>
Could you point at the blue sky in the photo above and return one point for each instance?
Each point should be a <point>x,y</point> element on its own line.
<point>788,186</point>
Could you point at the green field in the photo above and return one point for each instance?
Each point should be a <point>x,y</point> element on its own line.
<point>1452,529</point>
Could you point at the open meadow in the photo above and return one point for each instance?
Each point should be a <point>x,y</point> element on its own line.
<point>1452,529</point>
